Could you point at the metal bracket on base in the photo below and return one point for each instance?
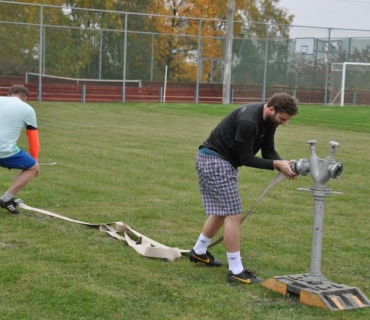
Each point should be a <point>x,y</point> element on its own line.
<point>326,294</point>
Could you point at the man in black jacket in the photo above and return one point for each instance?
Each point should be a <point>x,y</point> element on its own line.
<point>234,143</point>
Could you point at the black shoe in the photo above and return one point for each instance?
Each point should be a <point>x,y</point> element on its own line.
<point>11,205</point>
<point>206,258</point>
<point>244,277</point>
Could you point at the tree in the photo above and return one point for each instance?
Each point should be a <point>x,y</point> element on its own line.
<point>361,55</point>
<point>78,41</point>
<point>212,31</point>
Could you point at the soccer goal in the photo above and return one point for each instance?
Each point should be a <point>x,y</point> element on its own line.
<point>350,84</point>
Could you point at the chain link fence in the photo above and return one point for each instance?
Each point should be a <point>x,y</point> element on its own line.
<point>46,44</point>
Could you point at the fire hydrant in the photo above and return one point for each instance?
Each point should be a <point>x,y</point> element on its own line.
<point>313,289</point>
<point>321,171</point>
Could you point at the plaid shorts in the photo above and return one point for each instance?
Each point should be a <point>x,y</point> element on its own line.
<point>218,183</point>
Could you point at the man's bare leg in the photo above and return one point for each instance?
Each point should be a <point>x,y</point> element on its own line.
<point>23,178</point>
<point>212,225</point>
<point>232,233</point>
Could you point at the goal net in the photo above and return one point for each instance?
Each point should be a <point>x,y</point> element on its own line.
<point>350,84</point>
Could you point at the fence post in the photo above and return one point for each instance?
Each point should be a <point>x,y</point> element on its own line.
<point>265,64</point>
<point>124,61</point>
<point>39,93</point>
<point>354,94</point>
<point>228,52</point>
<point>327,73</point>
<point>199,62</point>
<point>83,93</point>
<point>160,94</point>
<point>41,51</point>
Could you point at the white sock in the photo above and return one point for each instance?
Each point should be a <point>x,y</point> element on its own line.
<point>7,196</point>
<point>235,262</point>
<point>202,244</point>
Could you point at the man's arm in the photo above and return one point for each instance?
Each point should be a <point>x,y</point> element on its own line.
<point>33,141</point>
<point>248,144</point>
<point>248,158</point>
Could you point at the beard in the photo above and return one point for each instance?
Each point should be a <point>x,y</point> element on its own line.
<point>272,120</point>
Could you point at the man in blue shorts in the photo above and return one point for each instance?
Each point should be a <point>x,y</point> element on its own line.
<point>15,115</point>
<point>234,143</point>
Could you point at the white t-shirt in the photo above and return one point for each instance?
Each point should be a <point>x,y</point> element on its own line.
<point>15,115</point>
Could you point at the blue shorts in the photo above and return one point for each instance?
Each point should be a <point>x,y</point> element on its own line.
<point>21,160</point>
<point>218,183</point>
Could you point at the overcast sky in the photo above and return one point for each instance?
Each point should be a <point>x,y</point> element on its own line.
<point>348,14</point>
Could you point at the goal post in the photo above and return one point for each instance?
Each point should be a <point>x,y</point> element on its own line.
<point>350,84</point>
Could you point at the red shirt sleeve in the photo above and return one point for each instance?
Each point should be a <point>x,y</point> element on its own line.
<point>33,143</point>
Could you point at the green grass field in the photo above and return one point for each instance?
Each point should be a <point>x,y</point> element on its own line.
<point>135,163</point>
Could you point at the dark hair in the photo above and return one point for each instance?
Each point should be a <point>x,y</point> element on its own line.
<point>283,102</point>
<point>18,90</point>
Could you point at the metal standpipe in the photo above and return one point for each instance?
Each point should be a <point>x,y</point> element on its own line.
<point>312,288</point>
<point>317,233</point>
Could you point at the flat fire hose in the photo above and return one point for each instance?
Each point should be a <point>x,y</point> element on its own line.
<point>144,245</point>
<point>279,177</point>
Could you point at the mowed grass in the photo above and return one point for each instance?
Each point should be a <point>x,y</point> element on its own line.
<point>135,163</point>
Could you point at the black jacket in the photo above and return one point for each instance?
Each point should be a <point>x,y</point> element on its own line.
<point>241,135</point>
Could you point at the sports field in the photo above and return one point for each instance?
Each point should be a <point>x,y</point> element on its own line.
<point>135,163</point>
